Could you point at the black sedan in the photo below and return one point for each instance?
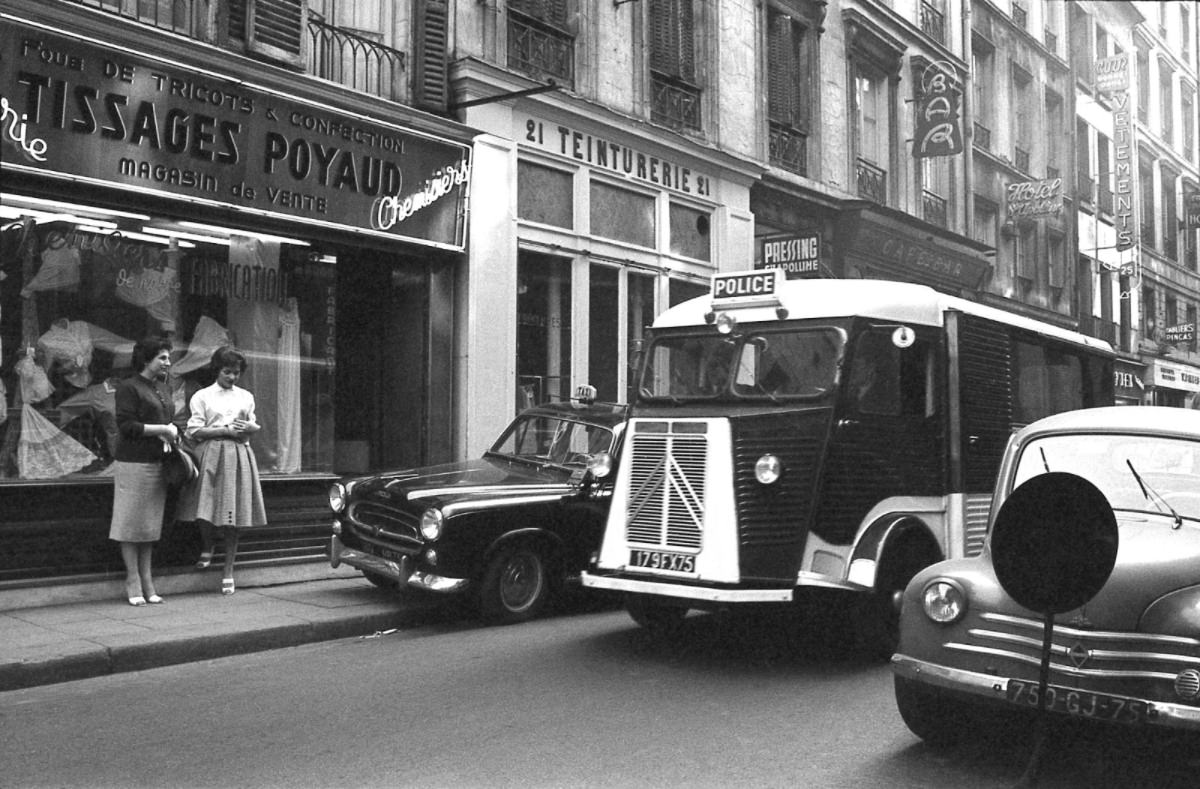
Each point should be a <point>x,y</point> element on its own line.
<point>508,528</point>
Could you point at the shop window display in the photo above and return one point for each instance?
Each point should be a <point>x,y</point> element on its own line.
<point>75,296</point>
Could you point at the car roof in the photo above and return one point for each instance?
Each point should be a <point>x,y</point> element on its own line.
<point>1162,420</point>
<point>607,414</point>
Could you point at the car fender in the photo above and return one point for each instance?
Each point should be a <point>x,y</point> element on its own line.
<point>1174,614</point>
<point>528,533</point>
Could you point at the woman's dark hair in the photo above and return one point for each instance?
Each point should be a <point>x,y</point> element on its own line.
<point>228,356</point>
<point>146,349</point>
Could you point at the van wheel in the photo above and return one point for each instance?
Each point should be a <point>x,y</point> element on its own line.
<point>658,619</point>
<point>879,619</point>
<point>515,585</point>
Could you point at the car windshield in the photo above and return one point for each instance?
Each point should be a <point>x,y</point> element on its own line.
<point>552,439</point>
<point>754,366</point>
<point>1141,473</point>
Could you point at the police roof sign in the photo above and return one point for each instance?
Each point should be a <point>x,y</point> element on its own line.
<point>746,288</point>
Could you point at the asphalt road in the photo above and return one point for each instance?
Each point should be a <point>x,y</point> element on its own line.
<point>582,699</point>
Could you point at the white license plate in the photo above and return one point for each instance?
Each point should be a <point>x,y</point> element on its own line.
<point>662,560</point>
<point>1081,703</point>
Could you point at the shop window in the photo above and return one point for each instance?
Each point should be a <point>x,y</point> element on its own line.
<point>78,293</point>
<point>639,314</point>
<point>545,195</point>
<point>603,325</point>
<point>690,234</point>
<point>622,214</point>
<point>543,329</point>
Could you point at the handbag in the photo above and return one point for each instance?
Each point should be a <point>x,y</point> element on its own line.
<point>179,465</point>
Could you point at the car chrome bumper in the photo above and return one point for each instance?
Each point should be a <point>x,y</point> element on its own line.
<point>994,688</point>
<point>704,593</point>
<point>402,571</point>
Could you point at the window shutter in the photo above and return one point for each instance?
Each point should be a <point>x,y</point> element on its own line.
<point>781,80</point>
<point>277,30</point>
<point>687,41</point>
<point>660,36</point>
<point>430,91</point>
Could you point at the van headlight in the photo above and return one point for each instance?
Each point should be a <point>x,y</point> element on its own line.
<point>337,497</point>
<point>944,601</point>
<point>768,469</point>
<point>431,523</point>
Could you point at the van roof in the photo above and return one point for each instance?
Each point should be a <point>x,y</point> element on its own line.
<point>900,302</point>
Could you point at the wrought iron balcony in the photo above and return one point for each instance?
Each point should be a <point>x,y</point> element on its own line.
<point>933,23</point>
<point>673,102</point>
<point>1020,16</point>
<point>540,50</point>
<point>934,209</point>
<point>982,137</point>
<point>1021,159</point>
<point>789,148</point>
<point>872,181</point>
<point>1051,40</point>
<point>350,59</point>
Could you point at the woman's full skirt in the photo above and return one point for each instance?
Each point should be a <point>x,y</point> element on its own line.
<point>227,492</point>
<point>139,498</point>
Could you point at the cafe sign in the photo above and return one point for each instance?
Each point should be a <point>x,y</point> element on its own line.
<point>80,109</point>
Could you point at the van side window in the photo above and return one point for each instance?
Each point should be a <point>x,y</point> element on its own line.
<point>888,380</point>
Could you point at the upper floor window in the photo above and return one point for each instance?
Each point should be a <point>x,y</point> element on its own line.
<point>789,90</point>
<point>986,217</point>
<point>539,41</point>
<point>1166,102</point>
<point>983,92</point>
<point>1081,44</point>
<point>1170,214</point>
<point>871,132</point>
<point>674,90</point>
<point>933,19</point>
<point>1023,107</point>
<point>936,189</point>
<point>1054,132</point>
<point>1187,105</point>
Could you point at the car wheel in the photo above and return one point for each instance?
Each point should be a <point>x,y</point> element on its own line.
<point>929,714</point>
<point>382,581</point>
<point>515,585</point>
<point>659,619</point>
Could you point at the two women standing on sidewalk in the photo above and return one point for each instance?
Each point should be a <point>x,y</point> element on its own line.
<point>227,494</point>
<point>144,430</point>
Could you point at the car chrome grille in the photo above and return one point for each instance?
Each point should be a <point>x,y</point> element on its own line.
<point>1080,655</point>
<point>381,524</point>
<point>666,494</point>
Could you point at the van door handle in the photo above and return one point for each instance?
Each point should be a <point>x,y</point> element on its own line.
<point>848,423</point>
<point>972,441</point>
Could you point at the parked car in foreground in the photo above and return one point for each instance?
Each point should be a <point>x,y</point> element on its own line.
<point>507,528</point>
<point>1131,654</point>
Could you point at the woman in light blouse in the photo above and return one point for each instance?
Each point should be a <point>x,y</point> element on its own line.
<point>227,494</point>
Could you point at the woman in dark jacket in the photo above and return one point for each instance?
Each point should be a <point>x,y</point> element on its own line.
<point>144,431</point>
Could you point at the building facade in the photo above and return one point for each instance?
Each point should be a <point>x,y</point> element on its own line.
<point>209,174</point>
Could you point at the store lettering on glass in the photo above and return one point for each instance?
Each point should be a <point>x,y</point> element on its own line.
<point>14,129</point>
<point>390,210</point>
<point>213,277</point>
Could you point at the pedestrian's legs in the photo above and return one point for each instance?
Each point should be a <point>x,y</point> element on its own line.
<point>230,536</point>
<point>145,549</point>
<point>207,544</point>
<point>133,581</point>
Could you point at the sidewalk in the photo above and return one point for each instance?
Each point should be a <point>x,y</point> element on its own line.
<point>106,635</point>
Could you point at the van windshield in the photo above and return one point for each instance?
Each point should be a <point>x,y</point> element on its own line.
<point>768,366</point>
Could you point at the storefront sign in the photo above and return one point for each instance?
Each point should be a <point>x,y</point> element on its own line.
<point>1035,198</point>
<point>1127,382</point>
<point>939,117</point>
<point>77,108</point>
<point>908,257</point>
<point>612,157</point>
<point>1112,74</point>
<point>1122,168</point>
<point>1175,376</point>
<point>799,256</point>
<point>1184,332</point>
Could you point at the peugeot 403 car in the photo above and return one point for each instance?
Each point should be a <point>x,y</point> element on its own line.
<point>1131,653</point>
<point>507,529</point>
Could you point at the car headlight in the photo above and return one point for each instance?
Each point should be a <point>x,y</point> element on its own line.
<point>944,601</point>
<point>337,497</point>
<point>600,465</point>
<point>431,523</point>
<point>768,469</point>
